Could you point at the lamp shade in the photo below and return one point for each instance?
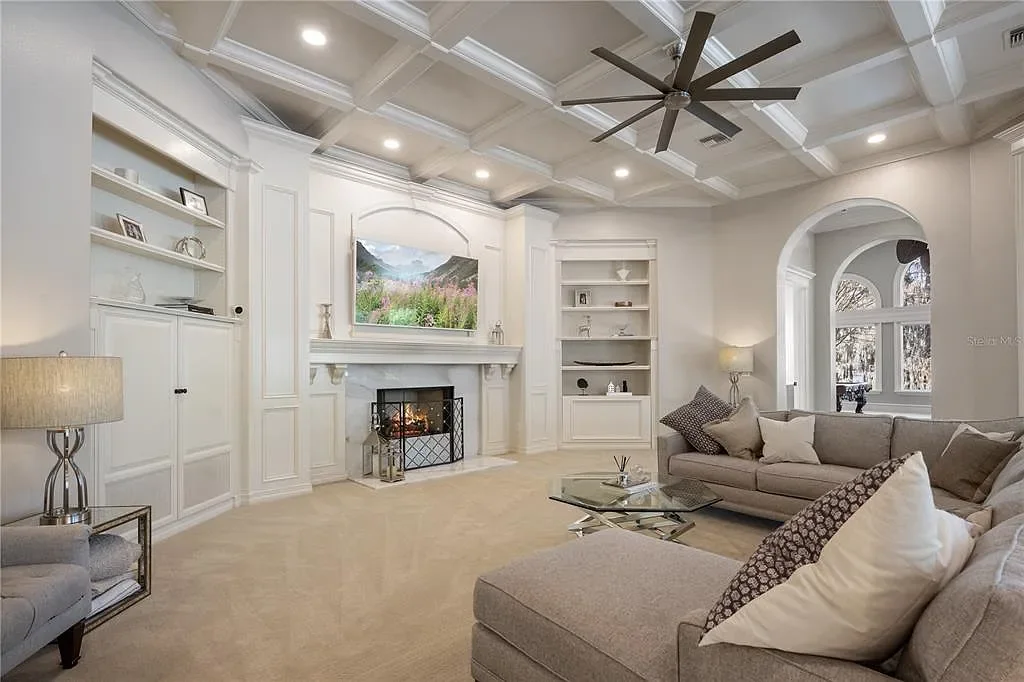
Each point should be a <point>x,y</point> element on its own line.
<point>58,392</point>
<point>736,359</point>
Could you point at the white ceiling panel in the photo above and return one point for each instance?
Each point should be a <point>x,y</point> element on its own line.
<point>454,99</point>
<point>898,136</point>
<point>298,113</point>
<point>545,139</point>
<point>275,28</point>
<point>641,171</point>
<point>501,175</point>
<point>983,50</point>
<point>368,132</point>
<point>841,98</point>
<point>780,169</point>
<point>554,39</point>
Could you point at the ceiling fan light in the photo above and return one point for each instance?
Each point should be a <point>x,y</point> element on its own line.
<point>877,138</point>
<point>392,143</point>
<point>314,37</point>
<point>622,172</point>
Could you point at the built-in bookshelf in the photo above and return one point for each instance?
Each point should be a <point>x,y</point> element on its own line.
<point>606,316</point>
<point>154,201</point>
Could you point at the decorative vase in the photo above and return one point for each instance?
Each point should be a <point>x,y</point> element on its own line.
<point>623,273</point>
<point>133,289</point>
<point>325,321</point>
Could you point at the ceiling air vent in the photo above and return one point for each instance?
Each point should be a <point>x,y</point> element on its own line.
<point>715,140</point>
<point>1013,38</point>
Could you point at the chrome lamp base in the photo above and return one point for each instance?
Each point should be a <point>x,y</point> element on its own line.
<point>65,443</point>
<point>734,389</point>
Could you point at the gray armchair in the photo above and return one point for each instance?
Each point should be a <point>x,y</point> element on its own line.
<point>44,582</point>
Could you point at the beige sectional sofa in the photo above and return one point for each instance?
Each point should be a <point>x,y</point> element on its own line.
<point>846,445</point>
<point>618,605</point>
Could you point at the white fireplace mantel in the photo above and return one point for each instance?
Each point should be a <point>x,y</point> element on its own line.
<point>378,352</point>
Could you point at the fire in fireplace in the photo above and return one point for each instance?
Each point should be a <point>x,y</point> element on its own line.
<point>427,421</point>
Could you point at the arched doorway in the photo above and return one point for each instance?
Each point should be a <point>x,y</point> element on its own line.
<point>805,290</point>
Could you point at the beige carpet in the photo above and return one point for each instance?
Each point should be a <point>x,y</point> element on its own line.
<point>347,583</point>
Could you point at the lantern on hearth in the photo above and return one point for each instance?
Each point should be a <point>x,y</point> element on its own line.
<point>498,334</point>
<point>391,461</point>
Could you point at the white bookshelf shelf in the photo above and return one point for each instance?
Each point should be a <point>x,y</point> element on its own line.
<point>605,368</point>
<point>106,180</point>
<point>117,241</point>
<point>604,308</point>
<point>605,338</point>
<point>145,307</point>
<point>604,282</point>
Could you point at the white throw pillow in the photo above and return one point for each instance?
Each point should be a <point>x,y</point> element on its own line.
<point>791,441</point>
<point>873,576</point>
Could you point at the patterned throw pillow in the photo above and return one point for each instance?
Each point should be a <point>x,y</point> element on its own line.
<point>848,576</point>
<point>690,419</point>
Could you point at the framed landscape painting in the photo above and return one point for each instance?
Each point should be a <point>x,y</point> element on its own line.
<point>401,286</point>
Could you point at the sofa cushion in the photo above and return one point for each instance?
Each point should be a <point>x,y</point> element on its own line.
<point>1006,503</point>
<point>852,440</point>
<point>738,433</point>
<point>968,461</point>
<point>51,589</point>
<point>947,501</point>
<point>691,417</point>
<point>806,481</point>
<point>971,630</point>
<point>791,441</point>
<point>1012,472</point>
<point>606,607</point>
<point>731,471</point>
<point>17,614</point>
<point>931,436</point>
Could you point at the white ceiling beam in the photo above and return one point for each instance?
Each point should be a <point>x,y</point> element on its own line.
<point>642,190</point>
<point>993,83</point>
<point>634,50</point>
<point>152,17</point>
<point>660,20</point>
<point>865,122</point>
<point>402,21</point>
<point>596,190</point>
<point>243,98</point>
<point>424,124</point>
<point>902,154</point>
<point>572,166</point>
<point>396,68</point>
<point>740,160</point>
<point>939,68</point>
<point>437,164</point>
<point>960,18</point>
<point>336,126</point>
<point>488,134</point>
<point>451,22</point>
<point>518,189</point>
<point>842,63</point>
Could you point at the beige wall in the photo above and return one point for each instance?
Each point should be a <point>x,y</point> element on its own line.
<point>962,200</point>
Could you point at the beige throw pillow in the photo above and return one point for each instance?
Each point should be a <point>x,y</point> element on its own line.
<point>968,461</point>
<point>791,441</point>
<point>738,433</point>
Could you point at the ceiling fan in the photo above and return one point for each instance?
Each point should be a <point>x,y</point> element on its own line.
<point>681,91</point>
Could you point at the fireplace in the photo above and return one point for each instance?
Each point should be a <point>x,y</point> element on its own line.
<point>426,421</point>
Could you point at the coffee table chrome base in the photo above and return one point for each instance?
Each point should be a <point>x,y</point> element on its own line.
<point>663,525</point>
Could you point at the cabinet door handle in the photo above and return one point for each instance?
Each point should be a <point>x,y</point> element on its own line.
<point>179,391</point>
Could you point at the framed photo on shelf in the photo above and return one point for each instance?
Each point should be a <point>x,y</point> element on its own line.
<point>193,201</point>
<point>583,298</point>
<point>130,228</point>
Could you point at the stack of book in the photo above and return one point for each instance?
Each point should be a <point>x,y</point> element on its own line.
<point>106,593</point>
<point>632,485</point>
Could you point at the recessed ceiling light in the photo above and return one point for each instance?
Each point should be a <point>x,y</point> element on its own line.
<point>482,174</point>
<point>314,36</point>
<point>877,138</point>
<point>622,172</point>
<point>392,143</point>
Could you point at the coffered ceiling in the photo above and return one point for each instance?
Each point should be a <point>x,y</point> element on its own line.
<point>471,90</point>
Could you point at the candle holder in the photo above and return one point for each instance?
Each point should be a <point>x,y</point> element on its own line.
<point>324,331</point>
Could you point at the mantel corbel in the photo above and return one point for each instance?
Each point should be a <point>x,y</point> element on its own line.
<point>335,371</point>
<point>506,370</point>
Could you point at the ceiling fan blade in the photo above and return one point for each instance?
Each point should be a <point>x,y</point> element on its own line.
<point>700,29</point>
<point>629,121</point>
<point>737,94</point>
<point>631,69</point>
<point>713,119</point>
<point>606,100</point>
<point>668,124</point>
<point>745,61</point>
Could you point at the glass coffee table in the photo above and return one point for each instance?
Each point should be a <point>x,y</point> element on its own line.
<point>654,512</point>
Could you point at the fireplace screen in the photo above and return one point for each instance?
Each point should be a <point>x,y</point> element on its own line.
<point>427,422</point>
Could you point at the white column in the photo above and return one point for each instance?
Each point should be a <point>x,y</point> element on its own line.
<point>530,306</point>
<point>275,199</point>
<point>1015,136</point>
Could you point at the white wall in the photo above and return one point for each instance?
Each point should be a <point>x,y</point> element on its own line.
<point>942,192</point>
<point>687,345</point>
<point>47,54</point>
<point>803,253</point>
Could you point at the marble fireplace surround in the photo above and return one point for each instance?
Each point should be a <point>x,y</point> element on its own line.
<point>478,372</point>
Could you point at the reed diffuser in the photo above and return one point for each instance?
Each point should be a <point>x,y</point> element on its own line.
<point>622,463</point>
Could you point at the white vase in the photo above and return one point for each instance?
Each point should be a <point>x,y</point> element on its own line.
<point>623,273</point>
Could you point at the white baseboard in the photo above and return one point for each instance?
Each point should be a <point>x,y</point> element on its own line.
<point>204,513</point>
<point>259,496</point>
<point>604,445</point>
<point>536,449</point>
<point>328,477</point>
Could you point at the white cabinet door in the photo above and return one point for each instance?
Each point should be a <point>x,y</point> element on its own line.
<point>611,421</point>
<point>205,413</point>
<point>137,456</point>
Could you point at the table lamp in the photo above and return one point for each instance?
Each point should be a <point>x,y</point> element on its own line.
<point>61,394</point>
<point>737,361</point>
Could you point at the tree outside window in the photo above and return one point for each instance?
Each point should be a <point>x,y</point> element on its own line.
<point>915,284</point>
<point>855,351</point>
<point>915,357</point>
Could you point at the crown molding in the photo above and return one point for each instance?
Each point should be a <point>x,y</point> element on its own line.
<point>272,133</point>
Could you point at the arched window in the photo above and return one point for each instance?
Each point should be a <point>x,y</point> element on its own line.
<point>856,293</point>
<point>913,284</point>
